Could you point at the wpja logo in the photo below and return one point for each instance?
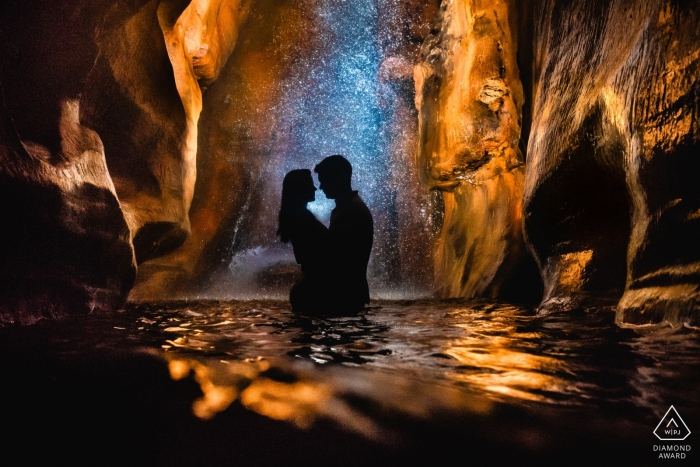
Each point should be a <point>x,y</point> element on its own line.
<point>672,428</point>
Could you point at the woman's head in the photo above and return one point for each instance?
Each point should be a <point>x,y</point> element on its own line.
<point>297,191</point>
<point>298,188</point>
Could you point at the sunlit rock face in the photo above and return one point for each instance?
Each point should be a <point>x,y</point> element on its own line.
<point>469,98</point>
<point>65,247</point>
<point>143,97</point>
<point>611,200</point>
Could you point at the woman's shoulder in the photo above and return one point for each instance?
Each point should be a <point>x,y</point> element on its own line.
<point>304,220</point>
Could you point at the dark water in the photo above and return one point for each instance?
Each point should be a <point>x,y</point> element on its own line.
<point>435,378</point>
<point>504,352</point>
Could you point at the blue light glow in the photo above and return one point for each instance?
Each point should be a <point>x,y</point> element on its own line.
<point>332,103</point>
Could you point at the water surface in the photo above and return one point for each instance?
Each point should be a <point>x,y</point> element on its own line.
<point>407,382</point>
<point>505,352</point>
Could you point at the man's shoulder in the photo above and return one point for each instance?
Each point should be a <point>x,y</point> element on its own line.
<point>353,212</point>
<point>358,201</point>
<point>359,207</point>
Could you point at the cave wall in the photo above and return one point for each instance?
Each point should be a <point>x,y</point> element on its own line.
<point>610,198</point>
<point>469,98</point>
<point>143,97</point>
<point>65,246</point>
<point>98,142</point>
<point>592,160</point>
<point>237,147</point>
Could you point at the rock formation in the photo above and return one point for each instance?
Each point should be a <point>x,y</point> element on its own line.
<point>610,202</point>
<point>469,98</point>
<point>609,120</point>
<point>147,114</point>
<point>237,145</point>
<point>65,247</point>
<point>91,86</point>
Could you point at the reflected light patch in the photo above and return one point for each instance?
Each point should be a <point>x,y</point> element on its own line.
<point>297,402</point>
<point>303,397</point>
<point>300,402</point>
<point>514,374</point>
<point>490,360</point>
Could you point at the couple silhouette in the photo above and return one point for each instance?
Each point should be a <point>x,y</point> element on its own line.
<point>333,259</point>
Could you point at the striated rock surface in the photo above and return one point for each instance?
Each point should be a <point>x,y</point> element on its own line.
<point>611,204</point>
<point>237,145</point>
<point>469,98</point>
<point>143,97</point>
<point>65,247</point>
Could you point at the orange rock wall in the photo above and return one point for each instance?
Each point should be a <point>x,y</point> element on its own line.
<point>469,98</point>
<point>610,198</point>
<point>234,145</point>
<point>148,115</point>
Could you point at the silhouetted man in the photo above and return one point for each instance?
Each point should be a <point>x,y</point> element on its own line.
<point>351,234</point>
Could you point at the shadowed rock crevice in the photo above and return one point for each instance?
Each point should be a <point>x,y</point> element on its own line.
<point>611,141</point>
<point>91,85</point>
<point>65,247</point>
<point>578,222</point>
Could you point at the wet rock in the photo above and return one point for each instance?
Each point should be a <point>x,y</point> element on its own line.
<point>469,98</point>
<point>610,201</point>
<point>238,147</point>
<point>65,247</point>
<point>147,115</point>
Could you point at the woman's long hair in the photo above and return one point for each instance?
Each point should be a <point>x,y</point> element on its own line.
<point>294,189</point>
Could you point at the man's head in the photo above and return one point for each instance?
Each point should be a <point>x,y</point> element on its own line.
<point>335,175</point>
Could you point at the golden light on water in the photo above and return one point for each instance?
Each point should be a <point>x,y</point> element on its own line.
<point>510,372</point>
<point>303,397</point>
<point>299,402</point>
<point>216,398</point>
<point>493,356</point>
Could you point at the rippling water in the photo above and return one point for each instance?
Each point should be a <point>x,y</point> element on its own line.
<point>505,352</point>
<point>183,381</point>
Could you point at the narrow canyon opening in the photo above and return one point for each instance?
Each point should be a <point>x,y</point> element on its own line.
<point>304,81</point>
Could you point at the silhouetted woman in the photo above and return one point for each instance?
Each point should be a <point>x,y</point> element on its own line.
<point>309,239</point>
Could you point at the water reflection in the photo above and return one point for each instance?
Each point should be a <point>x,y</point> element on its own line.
<point>297,394</point>
<point>426,377</point>
<point>504,352</point>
